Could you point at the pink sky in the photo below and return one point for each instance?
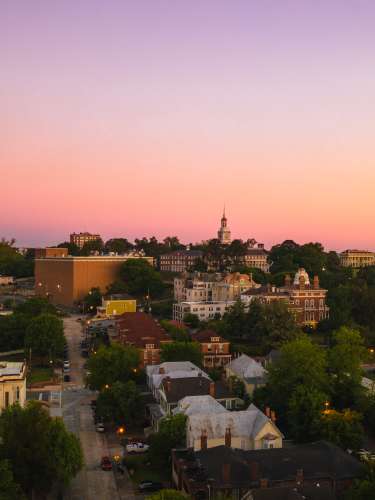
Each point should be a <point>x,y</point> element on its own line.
<point>144,118</point>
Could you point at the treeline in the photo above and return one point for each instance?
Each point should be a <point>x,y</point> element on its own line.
<point>13,263</point>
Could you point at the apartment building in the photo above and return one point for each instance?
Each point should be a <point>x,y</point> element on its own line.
<point>357,258</point>
<point>79,239</point>
<point>179,261</point>
<point>204,310</point>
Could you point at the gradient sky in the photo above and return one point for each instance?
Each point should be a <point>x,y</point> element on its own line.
<point>143,117</point>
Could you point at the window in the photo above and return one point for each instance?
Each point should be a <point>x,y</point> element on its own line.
<point>17,393</point>
<point>6,399</point>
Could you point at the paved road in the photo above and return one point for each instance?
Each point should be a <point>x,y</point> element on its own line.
<point>91,483</point>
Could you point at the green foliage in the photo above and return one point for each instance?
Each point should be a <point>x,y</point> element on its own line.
<point>39,448</point>
<point>73,249</point>
<point>45,336</point>
<point>342,428</point>
<point>9,489</point>
<point>12,263</point>
<point>361,490</point>
<point>154,248</point>
<point>182,351</point>
<point>304,413</point>
<point>178,333</point>
<point>172,434</point>
<point>191,320</point>
<point>141,279</point>
<point>120,403</point>
<point>167,495</point>
<point>112,364</point>
<point>118,245</point>
<point>35,306</point>
<point>237,386</point>
<point>91,247</point>
<point>92,300</point>
<point>265,325</point>
<point>344,360</point>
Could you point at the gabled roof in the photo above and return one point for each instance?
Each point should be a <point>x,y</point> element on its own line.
<point>246,423</point>
<point>171,366</point>
<point>139,329</point>
<point>157,378</point>
<point>246,368</point>
<point>206,335</point>
<point>191,405</point>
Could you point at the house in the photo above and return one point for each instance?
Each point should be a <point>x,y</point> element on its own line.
<point>141,330</point>
<point>171,369</point>
<point>12,383</point>
<point>306,301</point>
<point>249,371</point>
<point>6,280</point>
<point>215,349</point>
<point>172,390</point>
<point>321,468</point>
<point>116,305</point>
<point>208,426</point>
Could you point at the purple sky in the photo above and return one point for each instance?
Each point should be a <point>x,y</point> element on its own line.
<point>144,117</point>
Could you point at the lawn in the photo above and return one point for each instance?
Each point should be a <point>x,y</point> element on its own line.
<point>140,469</point>
<point>40,374</point>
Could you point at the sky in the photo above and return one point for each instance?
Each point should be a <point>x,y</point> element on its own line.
<point>144,117</point>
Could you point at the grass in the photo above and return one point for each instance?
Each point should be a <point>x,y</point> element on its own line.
<point>143,470</point>
<point>40,374</point>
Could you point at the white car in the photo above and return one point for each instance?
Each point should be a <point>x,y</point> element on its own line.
<point>100,427</point>
<point>66,364</point>
<point>137,447</point>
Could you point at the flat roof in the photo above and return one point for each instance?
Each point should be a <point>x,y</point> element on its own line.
<point>11,368</point>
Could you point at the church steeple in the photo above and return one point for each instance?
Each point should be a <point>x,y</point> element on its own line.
<point>224,233</point>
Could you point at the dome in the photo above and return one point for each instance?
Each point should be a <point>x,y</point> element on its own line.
<point>301,272</point>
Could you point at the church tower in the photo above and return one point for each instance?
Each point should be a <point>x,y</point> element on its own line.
<point>224,232</point>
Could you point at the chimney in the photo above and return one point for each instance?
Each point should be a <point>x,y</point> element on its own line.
<point>212,389</point>
<point>287,280</point>
<point>161,370</point>
<point>204,440</point>
<point>299,476</point>
<point>254,471</point>
<point>302,282</point>
<point>167,384</point>
<point>264,483</point>
<point>273,416</point>
<point>226,473</point>
<point>268,411</point>
<point>228,437</point>
<point>316,282</point>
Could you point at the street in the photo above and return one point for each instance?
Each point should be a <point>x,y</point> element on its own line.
<point>91,483</point>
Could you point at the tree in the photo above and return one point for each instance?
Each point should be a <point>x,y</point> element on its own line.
<point>276,325</point>
<point>112,364</point>
<point>45,336</point>
<point>191,320</point>
<point>167,495</point>
<point>118,245</point>
<point>172,434</point>
<point>361,490</point>
<point>92,246</point>
<point>39,448</point>
<point>301,363</point>
<point>344,360</point>
<point>141,279</point>
<point>304,413</point>
<point>73,249</point>
<point>35,306</point>
<point>13,263</point>
<point>92,300</point>
<point>9,489</point>
<point>120,403</point>
<point>178,333</point>
<point>182,351</point>
<point>343,428</point>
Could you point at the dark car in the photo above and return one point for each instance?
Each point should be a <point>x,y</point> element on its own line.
<point>149,486</point>
<point>106,463</point>
<point>66,378</point>
<point>85,354</point>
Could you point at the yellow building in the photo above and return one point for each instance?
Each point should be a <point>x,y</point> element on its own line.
<point>12,384</point>
<point>116,307</point>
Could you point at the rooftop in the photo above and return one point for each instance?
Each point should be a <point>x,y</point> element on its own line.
<point>191,405</point>
<point>11,369</point>
<point>139,328</point>
<point>247,368</point>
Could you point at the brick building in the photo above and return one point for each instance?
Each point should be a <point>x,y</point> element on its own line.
<point>67,280</point>
<point>79,239</point>
<point>141,330</point>
<point>215,349</point>
<point>179,261</point>
<point>305,300</point>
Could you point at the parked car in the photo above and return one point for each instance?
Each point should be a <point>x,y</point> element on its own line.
<point>146,486</point>
<point>106,463</point>
<point>66,378</point>
<point>100,427</point>
<point>137,447</point>
<point>66,369</point>
<point>67,363</point>
<point>85,354</point>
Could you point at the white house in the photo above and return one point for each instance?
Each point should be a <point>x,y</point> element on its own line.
<point>249,371</point>
<point>246,430</point>
<point>191,405</point>
<point>12,384</point>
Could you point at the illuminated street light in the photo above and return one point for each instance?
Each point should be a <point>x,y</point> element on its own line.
<point>121,430</point>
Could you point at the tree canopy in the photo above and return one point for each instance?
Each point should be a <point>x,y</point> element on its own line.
<point>138,278</point>
<point>45,336</point>
<point>115,363</point>
<point>13,263</point>
<point>39,449</point>
<point>120,403</point>
<point>172,434</point>
<point>182,351</point>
